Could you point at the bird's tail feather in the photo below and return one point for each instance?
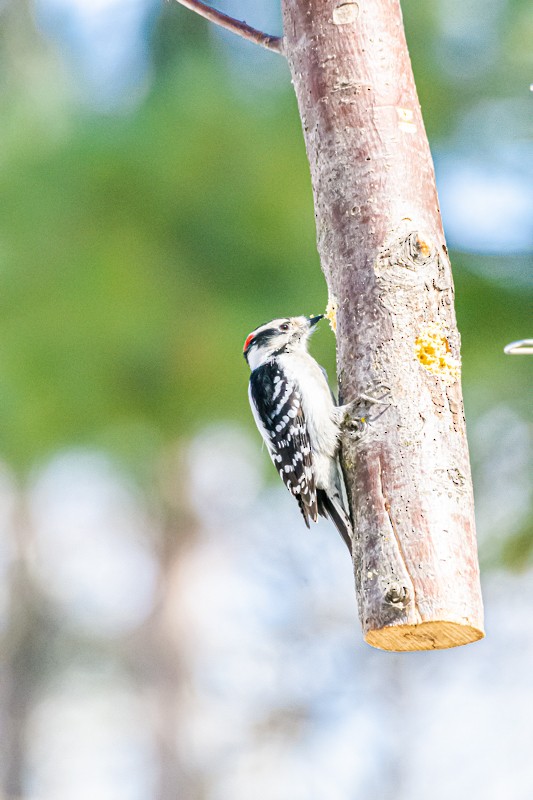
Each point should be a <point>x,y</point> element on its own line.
<point>332,507</point>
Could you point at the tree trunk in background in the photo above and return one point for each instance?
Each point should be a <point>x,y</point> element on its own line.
<point>382,250</point>
<point>26,647</point>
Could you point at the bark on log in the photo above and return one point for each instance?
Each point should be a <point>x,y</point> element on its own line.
<point>384,257</point>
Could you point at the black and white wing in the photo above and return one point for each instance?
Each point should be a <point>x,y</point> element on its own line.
<point>277,409</point>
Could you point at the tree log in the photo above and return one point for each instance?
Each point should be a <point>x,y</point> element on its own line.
<point>384,257</point>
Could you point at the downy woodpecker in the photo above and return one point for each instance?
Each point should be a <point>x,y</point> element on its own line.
<point>298,418</point>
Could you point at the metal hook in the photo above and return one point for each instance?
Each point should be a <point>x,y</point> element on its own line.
<point>520,348</point>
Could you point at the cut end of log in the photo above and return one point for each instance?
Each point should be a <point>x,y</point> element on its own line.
<point>435,635</point>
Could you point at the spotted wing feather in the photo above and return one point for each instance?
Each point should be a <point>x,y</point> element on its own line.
<point>276,405</point>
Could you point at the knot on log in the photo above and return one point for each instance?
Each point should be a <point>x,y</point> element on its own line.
<point>345,13</point>
<point>397,595</point>
<point>355,428</point>
<point>412,251</point>
<point>406,264</point>
<point>419,248</point>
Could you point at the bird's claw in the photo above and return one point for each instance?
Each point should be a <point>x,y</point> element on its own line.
<point>353,412</point>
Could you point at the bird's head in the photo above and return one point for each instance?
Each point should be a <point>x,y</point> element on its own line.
<point>278,336</point>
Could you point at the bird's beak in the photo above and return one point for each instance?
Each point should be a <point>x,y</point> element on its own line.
<point>313,320</point>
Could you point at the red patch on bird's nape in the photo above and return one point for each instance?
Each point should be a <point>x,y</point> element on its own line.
<point>247,342</point>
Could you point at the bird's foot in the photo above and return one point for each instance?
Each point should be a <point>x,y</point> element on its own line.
<point>354,416</point>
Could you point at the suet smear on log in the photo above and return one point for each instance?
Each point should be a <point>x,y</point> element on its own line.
<point>433,350</point>
<point>331,313</point>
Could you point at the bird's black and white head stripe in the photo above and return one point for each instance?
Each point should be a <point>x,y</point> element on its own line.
<point>276,337</point>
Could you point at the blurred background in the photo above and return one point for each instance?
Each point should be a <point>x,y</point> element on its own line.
<point>168,627</point>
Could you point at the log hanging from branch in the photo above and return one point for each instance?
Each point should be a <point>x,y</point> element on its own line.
<point>383,254</point>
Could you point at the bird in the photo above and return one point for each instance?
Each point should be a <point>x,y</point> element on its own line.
<point>298,418</point>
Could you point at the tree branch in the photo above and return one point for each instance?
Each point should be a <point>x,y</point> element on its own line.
<point>236,26</point>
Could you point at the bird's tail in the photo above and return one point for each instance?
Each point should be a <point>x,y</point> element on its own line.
<point>332,507</point>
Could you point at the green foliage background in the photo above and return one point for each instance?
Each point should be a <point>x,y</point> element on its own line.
<point>137,249</point>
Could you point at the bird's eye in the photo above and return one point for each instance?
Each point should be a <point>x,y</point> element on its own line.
<point>284,327</point>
